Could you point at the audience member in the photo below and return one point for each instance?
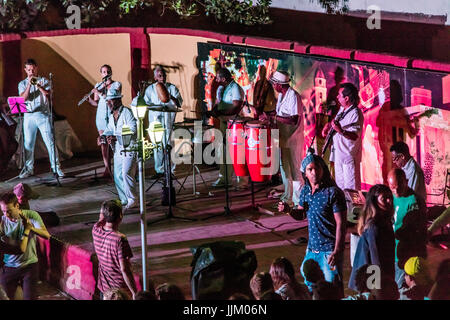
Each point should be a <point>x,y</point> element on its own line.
<point>312,272</point>
<point>325,290</point>
<point>145,295</point>
<point>17,224</point>
<point>388,289</point>
<point>169,291</point>
<point>262,286</point>
<point>409,223</point>
<point>24,194</point>
<point>113,251</point>
<point>376,245</point>
<point>417,279</point>
<point>238,296</point>
<point>116,294</point>
<point>414,173</point>
<point>361,278</point>
<point>441,287</point>
<point>284,282</point>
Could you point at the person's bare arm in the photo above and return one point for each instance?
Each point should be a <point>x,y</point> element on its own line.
<point>26,92</point>
<point>340,218</point>
<point>125,268</point>
<point>292,120</point>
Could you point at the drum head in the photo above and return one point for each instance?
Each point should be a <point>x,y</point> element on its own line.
<point>256,124</point>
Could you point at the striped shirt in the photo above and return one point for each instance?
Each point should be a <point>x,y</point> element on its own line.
<point>110,247</point>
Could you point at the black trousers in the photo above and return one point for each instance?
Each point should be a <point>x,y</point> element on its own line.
<point>11,278</point>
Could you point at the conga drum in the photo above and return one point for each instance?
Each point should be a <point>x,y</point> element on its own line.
<point>258,150</point>
<point>236,146</point>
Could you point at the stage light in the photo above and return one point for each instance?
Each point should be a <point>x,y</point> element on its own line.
<point>127,135</point>
<point>156,132</point>
<point>140,109</point>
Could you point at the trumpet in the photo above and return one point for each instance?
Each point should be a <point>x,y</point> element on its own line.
<point>34,81</point>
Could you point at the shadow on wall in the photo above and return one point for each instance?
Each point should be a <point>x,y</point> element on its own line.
<point>69,87</point>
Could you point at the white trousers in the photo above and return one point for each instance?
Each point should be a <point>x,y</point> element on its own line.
<point>32,123</point>
<point>124,176</point>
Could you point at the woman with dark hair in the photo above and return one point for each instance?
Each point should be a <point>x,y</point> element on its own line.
<point>377,242</point>
<point>284,282</point>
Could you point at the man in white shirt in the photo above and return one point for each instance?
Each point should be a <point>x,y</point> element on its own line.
<point>414,173</point>
<point>230,104</point>
<point>36,94</point>
<point>346,150</point>
<point>289,120</point>
<point>124,162</point>
<point>165,118</point>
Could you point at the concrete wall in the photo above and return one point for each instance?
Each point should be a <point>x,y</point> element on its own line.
<point>179,53</point>
<point>75,61</point>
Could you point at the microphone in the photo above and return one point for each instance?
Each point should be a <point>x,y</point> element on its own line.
<point>50,75</point>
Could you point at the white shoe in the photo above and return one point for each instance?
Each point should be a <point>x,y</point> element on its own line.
<point>25,173</point>
<point>60,173</point>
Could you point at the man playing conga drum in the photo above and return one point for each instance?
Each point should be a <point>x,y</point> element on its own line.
<point>289,120</point>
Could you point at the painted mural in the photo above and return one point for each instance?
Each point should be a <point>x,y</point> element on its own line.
<point>398,104</point>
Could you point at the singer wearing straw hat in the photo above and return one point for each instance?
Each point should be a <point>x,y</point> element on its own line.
<point>124,162</point>
<point>289,120</point>
<point>36,90</point>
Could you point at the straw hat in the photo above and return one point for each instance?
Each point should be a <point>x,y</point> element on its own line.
<point>280,77</point>
<point>113,94</point>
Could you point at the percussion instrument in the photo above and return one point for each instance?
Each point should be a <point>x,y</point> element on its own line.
<point>236,146</point>
<point>161,91</point>
<point>258,150</point>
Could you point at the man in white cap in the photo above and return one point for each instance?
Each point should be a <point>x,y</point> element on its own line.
<point>289,120</point>
<point>151,97</point>
<point>124,162</point>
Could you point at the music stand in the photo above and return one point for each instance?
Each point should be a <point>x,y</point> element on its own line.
<point>17,106</point>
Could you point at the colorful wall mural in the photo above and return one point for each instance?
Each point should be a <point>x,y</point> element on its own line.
<point>397,103</point>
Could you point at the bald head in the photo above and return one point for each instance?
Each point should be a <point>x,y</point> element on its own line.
<point>397,182</point>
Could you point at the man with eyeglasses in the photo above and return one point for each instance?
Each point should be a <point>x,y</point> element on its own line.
<point>414,173</point>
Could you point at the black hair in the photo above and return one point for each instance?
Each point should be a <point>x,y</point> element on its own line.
<point>108,67</point>
<point>350,91</point>
<point>8,198</point>
<point>30,62</point>
<point>400,147</point>
<point>327,180</point>
<point>225,73</point>
<point>111,210</point>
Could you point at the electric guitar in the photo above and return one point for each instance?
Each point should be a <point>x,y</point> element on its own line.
<point>332,132</point>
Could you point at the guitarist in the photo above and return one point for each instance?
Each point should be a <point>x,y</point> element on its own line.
<point>346,150</point>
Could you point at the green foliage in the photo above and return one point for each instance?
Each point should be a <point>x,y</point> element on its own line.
<point>20,15</point>
<point>333,6</point>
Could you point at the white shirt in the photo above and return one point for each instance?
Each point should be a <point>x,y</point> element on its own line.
<point>151,95</point>
<point>287,106</point>
<point>36,101</point>
<point>115,129</point>
<point>346,150</point>
<point>416,178</point>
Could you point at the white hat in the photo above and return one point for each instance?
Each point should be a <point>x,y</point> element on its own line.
<point>280,77</point>
<point>113,94</point>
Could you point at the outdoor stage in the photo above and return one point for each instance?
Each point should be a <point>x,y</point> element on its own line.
<point>77,203</point>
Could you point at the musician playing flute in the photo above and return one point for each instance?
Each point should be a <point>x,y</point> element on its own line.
<point>36,92</point>
<point>100,91</point>
<point>346,150</point>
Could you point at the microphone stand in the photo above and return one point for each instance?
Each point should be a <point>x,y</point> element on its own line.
<point>52,126</point>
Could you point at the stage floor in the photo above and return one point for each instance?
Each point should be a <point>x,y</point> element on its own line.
<point>77,203</point>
